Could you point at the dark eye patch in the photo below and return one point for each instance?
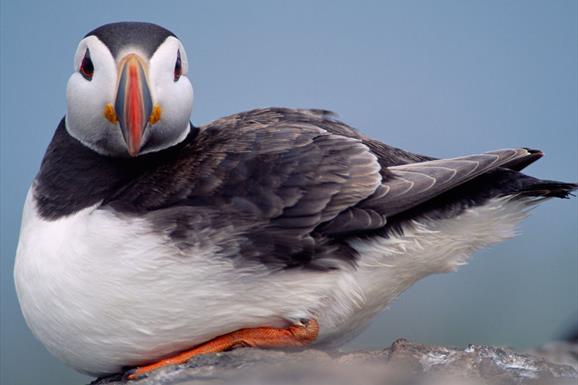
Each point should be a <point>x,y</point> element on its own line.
<point>86,67</point>
<point>178,66</point>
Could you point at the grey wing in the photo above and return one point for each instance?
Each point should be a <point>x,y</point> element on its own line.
<point>274,176</point>
<point>408,185</point>
<point>287,184</point>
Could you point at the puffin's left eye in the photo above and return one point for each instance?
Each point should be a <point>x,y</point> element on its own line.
<point>87,68</point>
<point>178,67</point>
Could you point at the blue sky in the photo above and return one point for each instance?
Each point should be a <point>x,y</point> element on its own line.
<point>444,78</point>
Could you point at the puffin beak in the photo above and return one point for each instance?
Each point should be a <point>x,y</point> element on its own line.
<point>133,105</point>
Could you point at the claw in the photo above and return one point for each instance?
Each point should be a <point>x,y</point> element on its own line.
<point>131,374</point>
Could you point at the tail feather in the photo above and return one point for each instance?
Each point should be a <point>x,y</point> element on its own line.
<point>549,188</point>
<point>533,187</point>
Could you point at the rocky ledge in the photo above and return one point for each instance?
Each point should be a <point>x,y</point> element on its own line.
<point>404,363</point>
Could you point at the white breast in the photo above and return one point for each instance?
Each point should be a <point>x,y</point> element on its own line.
<point>103,291</point>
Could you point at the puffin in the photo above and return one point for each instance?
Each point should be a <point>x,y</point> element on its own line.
<point>146,240</point>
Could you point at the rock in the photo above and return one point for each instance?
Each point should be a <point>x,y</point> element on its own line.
<point>404,363</point>
<point>559,352</point>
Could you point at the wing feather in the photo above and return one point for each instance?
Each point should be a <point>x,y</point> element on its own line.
<point>291,184</point>
<point>410,184</point>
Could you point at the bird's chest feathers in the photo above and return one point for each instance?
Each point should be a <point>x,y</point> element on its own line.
<point>76,275</point>
<point>60,264</point>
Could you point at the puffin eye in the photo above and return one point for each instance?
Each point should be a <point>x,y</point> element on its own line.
<point>86,67</point>
<point>178,67</point>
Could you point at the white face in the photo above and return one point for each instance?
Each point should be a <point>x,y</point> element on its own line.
<point>129,105</point>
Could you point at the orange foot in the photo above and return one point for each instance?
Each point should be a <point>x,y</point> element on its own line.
<point>265,337</point>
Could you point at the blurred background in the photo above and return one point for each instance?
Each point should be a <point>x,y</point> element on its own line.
<point>444,78</point>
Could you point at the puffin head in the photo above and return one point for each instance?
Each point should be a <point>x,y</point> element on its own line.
<point>129,93</point>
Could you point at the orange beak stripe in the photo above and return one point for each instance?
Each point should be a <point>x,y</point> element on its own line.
<point>133,102</point>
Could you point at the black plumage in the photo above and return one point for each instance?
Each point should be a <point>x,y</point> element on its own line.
<point>290,186</point>
<point>145,36</point>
